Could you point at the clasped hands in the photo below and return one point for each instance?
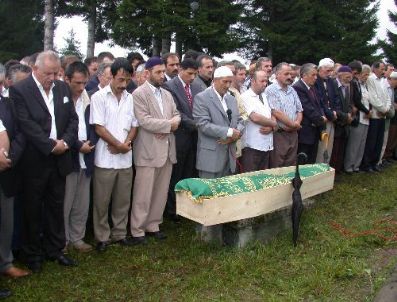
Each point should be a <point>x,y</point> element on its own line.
<point>121,148</point>
<point>60,147</point>
<point>235,136</point>
<point>5,162</point>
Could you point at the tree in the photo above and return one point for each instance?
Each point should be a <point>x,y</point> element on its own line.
<point>150,25</point>
<point>389,45</point>
<point>72,46</point>
<point>96,13</point>
<point>307,30</point>
<point>49,25</point>
<point>21,33</point>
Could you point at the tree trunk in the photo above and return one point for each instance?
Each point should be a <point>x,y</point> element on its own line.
<point>178,45</point>
<point>91,29</point>
<point>165,45</point>
<point>48,25</point>
<point>156,47</point>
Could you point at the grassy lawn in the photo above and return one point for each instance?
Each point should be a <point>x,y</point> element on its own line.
<point>325,266</point>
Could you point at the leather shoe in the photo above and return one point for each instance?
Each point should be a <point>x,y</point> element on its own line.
<point>14,272</point>
<point>377,168</point>
<point>175,218</point>
<point>64,260</point>
<point>157,235</point>
<point>35,266</point>
<point>4,293</point>
<point>125,242</point>
<point>138,240</point>
<point>101,246</point>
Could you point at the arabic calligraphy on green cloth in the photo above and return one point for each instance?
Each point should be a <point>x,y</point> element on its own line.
<point>199,188</point>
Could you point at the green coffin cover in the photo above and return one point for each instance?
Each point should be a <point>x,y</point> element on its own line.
<point>200,188</point>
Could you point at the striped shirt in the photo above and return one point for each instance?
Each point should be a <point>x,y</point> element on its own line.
<point>286,101</point>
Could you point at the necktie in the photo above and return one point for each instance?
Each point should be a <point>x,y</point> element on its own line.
<point>261,98</point>
<point>189,96</point>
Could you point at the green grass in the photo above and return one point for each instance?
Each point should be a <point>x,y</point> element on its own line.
<point>325,266</point>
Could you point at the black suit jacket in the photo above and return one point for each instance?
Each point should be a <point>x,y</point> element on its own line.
<point>312,122</point>
<point>9,178</point>
<point>35,122</point>
<point>186,134</point>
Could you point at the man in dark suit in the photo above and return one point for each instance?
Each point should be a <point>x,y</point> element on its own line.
<point>45,112</point>
<point>313,121</point>
<point>171,61</point>
<point>205,71</point>
<point>183,92</point>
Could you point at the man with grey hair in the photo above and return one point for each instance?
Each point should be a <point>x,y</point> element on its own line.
<point>2,78</point>
<point>287,109</point>
<point>265,64</point>
<point>17,72</point>
<point>313,122</point>
<point>104,77</point>
<point>326,91</point>
<point>46,114</point>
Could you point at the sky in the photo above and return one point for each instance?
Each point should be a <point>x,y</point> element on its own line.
<point>80,28</point>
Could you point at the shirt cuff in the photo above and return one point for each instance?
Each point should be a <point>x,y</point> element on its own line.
<point>229,132</point>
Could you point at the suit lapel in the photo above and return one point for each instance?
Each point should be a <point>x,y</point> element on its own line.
<point>182,95</point>
<point>37,94</point>
<point>217,103</point>
<point>57,104</point>
<point>153,99</point>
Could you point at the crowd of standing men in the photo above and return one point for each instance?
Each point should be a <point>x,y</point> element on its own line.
<point>66,123</point>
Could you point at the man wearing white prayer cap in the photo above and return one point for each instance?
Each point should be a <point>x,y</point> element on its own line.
<point>219,127</point>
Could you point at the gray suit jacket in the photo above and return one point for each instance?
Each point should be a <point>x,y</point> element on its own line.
<point>200,83</point>
<point>213,124</point>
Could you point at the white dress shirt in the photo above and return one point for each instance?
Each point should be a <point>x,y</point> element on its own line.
<point>252,138</point>
<point>157,94</point>
<point>82,133</point>
<point>224,105</point>
<point>49,101</point>
<point>118,118</point>
<point>2,128</point>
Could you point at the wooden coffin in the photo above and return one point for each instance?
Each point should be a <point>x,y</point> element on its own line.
<point>224,209</point>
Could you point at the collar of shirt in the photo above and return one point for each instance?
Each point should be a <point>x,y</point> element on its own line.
<point>307,86</point>
<point>108,90</point>
<point>289,88</point>
<point>154,89</point>
<point>339,83</point>
<point>167,77</point>
<point>183,83</point>
<point>39,84</point>
<point>222,99</point>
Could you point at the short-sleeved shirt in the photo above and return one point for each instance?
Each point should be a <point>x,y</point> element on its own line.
<point>118,118</point>
<point>252,138</point>
<point>286,101</point>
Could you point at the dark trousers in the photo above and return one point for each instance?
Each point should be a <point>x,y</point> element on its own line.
<point>254,160</point>
<point>391,142</point>
<point>374,143</point>
<point>43,231</point>
<point>310,151</point>
<point>184,168</point>
<point>338,153</point>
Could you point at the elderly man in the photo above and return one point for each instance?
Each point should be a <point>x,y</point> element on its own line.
<point>314,119</point>
<point>287,109</point>
<point>154,152</point>
<point>326,90</point>
<point>381,103</point>
<point>257,140</point>
<point>345,94</point>
<point>104,76</point>
<point>183,92</point>
<point>47,117</point>
<point>112,113</point>
<point>219,126</point>
<point>205,71</point>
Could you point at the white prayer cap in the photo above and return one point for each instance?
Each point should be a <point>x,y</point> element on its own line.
<point>393,75</point>
<point>222,72</point>
<point>326,62</point>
